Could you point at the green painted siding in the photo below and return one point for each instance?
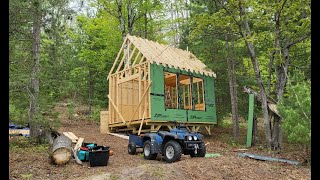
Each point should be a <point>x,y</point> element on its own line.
<point>158,111</point>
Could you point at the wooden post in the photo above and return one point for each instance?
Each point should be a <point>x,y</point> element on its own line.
<point>141,124</point>
<point>104,123</point>
<point>250,119</point>
<point>116,108</point>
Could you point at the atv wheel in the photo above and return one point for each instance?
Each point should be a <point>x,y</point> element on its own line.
<point>172,151</point>
<point>201,152</point>
<point>147,151</point>
<point>132,148</point>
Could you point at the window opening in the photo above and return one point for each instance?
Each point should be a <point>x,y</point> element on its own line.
<point>185,92</point>
<point>170,90</point>
<point>198,94</point>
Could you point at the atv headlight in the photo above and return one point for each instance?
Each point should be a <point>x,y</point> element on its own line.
<point>195,138</point>
<point>190,138</point>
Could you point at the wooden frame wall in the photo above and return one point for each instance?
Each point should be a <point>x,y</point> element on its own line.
<point>129,92</point>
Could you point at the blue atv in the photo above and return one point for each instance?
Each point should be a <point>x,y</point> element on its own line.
<point>169,144</point>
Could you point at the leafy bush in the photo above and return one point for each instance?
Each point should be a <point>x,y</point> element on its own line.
<point>295,108</point>
<point>96,113</point>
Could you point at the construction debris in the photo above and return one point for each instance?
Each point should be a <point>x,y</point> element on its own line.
<point>71,136</point>
<point>264,158</point>
<point>120,135</point>
<point>236,150</point>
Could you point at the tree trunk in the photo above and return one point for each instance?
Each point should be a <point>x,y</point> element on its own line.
<point>270,71</point>
<point>130,17</point>
<point>279,78</point>
<point>145,26</point>
<point>256,68</point>
<point>61,152</point>
<point>90,90</point>
<point>34,89</point>
<point>255,131</point>
<point>121,20</point>
<point>276,131</point>
<point>233,95</point>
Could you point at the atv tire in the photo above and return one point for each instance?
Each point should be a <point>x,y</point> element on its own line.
<point>172,151</point>
<point>201,152</point>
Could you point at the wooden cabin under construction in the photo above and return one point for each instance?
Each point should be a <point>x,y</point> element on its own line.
<point>154,86</point>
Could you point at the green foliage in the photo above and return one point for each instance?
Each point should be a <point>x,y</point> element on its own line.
<point>71,108</point>
<point>295,108</point>
<point>96,113</point>
<point>78,49</point>
<point>26,176</point>
<point>20,143</point>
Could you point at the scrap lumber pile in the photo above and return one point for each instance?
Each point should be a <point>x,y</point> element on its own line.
<point>62,150</point>
<point>68,145</point>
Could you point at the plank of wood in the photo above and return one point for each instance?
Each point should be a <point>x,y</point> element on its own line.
<point>140,102</point>
<point>116,108</point>
<point>104,123</point>
<point>73,135</point>
<point>141,124</point>
<point>123,58</point>
<point>70,137</point>
<point>115,62</point>
<point>136,58</point>
<point>79,144</point>
<point>120,135</point>
<point>130,56</point>
<point>129,78</point>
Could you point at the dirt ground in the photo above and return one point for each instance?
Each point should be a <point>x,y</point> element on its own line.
<point>34,164</point>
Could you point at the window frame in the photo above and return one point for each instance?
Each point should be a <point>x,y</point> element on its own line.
<point>178,88</point>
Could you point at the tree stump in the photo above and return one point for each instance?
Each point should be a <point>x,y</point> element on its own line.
<point>61,150</point>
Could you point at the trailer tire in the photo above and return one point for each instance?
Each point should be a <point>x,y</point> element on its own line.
<point>132,148</point>
<point>147,151</point>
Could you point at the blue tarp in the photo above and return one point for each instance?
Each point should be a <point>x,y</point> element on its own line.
<point>19,127</point>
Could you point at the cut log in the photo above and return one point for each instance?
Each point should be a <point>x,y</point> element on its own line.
<point>61,150</point>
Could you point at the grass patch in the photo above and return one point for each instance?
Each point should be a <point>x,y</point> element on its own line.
<point>158,173</point>
<point>24,144</point>
<point>113,177</point>
<point>26,176</point>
